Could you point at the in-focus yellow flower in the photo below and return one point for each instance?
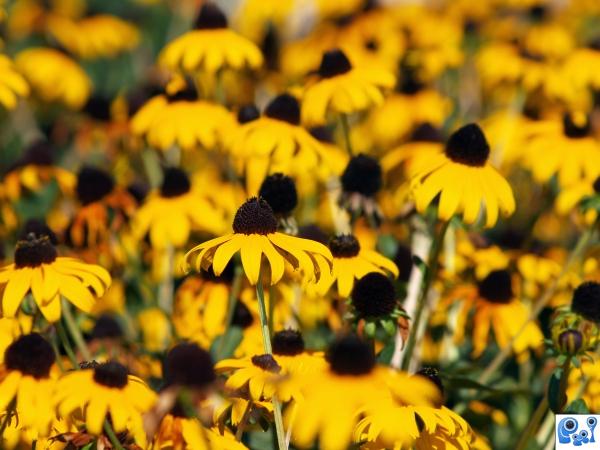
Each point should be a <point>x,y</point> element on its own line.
<point>253,377</point>
<point>96,36</point>
<point>464,180</point>
<point>38,269</point>
<point>254,235</point>
<point>26,379</point>
<point>172,213</point>
<point>54,77</point>
<point>210,47</point>
<point>495,307</point>
<point>351,262</point>
<point>12,84</point>
<point>342,89</point>
<point>104,389</point>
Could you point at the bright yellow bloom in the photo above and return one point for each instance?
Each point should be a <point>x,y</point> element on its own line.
<point>254,377</point>
<point>156,329</point>
<point>12,84</point>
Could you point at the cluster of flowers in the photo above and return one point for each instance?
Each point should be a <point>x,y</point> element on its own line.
<point>298,224</point>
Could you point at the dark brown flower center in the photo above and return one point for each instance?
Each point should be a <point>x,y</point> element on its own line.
<point>362,175</point>
<point>586,301</point>
<point>175,183</point>
<point>255,217</point>
<point>111,374</point>
<point>350,355</point>
<point>279,191</point>
<point>34,251</point>
<point>288,342</point>
<point>284,107</point>
<point>266,362</point>
<point>31,355</point>
<point>189,365</point>
<point>497,287</point>
<point>344,246</point>
<point>334,62</point>
<point>468,146</point>
<point>93,185</point>
<point>576,127</point>
<point>210,17</point>
<point>374,296</point>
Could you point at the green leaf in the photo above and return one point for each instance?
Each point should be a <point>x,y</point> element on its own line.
<point>576,362</point>
<point>389,326</point>
<point>385,355</point>
<point>224,346</point>
<point>577,407</point>
<point>370,329</point>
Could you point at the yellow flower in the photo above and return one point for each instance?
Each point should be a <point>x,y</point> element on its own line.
<point>170,215</point>
<point>496,308</point>
<point>156,329</point>
<point>342,89</point>
<point>54,77</point>
<point>351,262</point>
<point>254,377</point>
<point>588,376</point>
<point>38,269</point>
<point>537,271</point>
<point>254,235</point>
<point>105,389</point>
<point>12,84</point>
<point>97,36</point>
<point>464,180</point>
<point>210,47</point>
<point>182,120</point>
<point>26,379</point>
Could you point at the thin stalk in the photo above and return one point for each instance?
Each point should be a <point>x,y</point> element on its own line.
<point>108,429</point>
<point>165,288</point>
<point>64,339</point>
<point>505,352</point>
<point>264,324</point>
<point>54,344</point>
<point>431,272</point>
<point>74,331</point>
<point>533,424</point>
<point>271,309</point>
<point>233,295</point>
<point>346,132</point>
<point>562,387</point>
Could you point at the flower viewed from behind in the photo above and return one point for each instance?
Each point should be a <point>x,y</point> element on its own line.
<point>254,235</point>
<point>464,180</point>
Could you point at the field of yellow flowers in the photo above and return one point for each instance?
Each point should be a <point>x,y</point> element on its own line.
<point>298,224</point>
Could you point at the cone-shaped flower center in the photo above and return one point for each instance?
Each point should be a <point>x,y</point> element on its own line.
<point>247,113</point>
<point>344,246</point>
<point>107,327</point>
<point>111,374</point>
<point>34,251</point>
<point>362,175</point>
<point>596,185</point>
<point>30,354</point>
<point>189,365</point>
<point>586,301</point>
<point>288,342</point>
<point>433,375</point>
<point>280,193</point>
<point>497,287</point>
<point>426,132</point>
<point>576,126</point>
<point>284,107</point>
<point>266,362</point>
<point>374,296</point>
<point>175,183</point>
<point>350,355</point>
<point>334,62</point>
<point>210,17</point>
<point>93,185</point>
<point>255,217</point>
<point>468,146</point>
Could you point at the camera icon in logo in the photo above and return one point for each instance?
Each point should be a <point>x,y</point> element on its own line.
<point>576,430</point>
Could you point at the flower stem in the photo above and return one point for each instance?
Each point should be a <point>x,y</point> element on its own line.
<point>75,332</point>
<point>64,339</point>
<point>562,387</point>
<point>431,271</point>
<point>264,324</point>
<point>346,132</point>
<point>108,429</point>
<point>533,424</point>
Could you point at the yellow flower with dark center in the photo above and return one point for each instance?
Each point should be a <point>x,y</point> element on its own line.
<point>342,89</point>
<point>54,77</point>
<point>275,142</point>
<point>38,270</point>
<point>254,377</point>
<point>97,36</point>
<point>103,389</point>
<point>210,47</point>
<point>351,262</point>
<point>333,398</point>
<point>254,235</point>
<point>12,84</point>
<point>25,378</point>
<point>181,120</point>
<point>589,376</point>
<point>463,179</point>
<point>170,215</point>
<point>546,154</point>
<point>496,308</point>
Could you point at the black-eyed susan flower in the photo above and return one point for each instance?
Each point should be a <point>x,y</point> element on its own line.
<point>333,398</point>
<point>342,89</point>
<point>54,76</point>
<point>101,389</point>
<point>25,379</point>
<point>545,154</point>
<point>464,180</point>
<point>95,36</point>
<point>253,377</point>
<point>279,191</point>
<point>586,301</point>
<point>361,181</point>
<point>496,308</point>
<point>37,269</point>
<point>254,235</point>
<point>351,262</point>
<point>170,214</point>
<point>576,195</point>
<point>12,84</point>
<point>211,46</point>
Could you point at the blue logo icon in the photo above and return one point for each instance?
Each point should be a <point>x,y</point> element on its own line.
<point>576,430</point>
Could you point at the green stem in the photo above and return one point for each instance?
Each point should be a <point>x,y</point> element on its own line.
<point>64,339</point>
<point>562,387</point>
<point>430,273</point>
<point>346,132</point>
<point>54,344</point>
<point>533,424</point>
<point>264,323</point>
<point>233,295</point>
<point>271,309</point>
<point>74,331</point>
<point>108,429</point>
